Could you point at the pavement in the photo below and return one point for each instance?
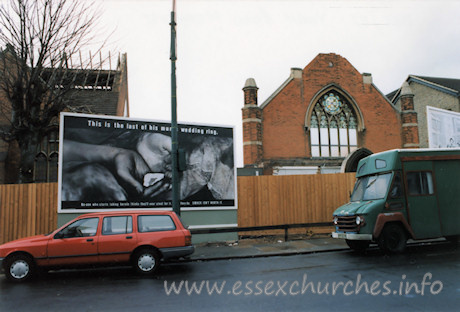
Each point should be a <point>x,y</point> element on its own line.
<point>265,247</point>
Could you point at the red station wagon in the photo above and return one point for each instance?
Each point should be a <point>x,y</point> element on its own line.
<point>140,238</point>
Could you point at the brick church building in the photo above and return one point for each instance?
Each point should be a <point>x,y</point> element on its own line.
<point>325,118</point>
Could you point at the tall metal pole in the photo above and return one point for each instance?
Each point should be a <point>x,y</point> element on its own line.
<point>174,139</point>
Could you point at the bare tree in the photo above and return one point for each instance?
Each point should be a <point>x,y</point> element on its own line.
<point>39,66</point>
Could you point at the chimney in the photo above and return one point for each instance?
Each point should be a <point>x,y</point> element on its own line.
<point>296,73</point>
<point>250,92</point>
<point>367,78</point>
<point>409,119</point>
<point>252,125</point>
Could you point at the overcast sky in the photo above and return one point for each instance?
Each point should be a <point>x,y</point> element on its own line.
<point>221,43</point>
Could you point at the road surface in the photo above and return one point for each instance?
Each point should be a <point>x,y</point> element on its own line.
<point>425,278</point>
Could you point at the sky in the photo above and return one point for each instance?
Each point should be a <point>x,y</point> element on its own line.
<point>221,43</point>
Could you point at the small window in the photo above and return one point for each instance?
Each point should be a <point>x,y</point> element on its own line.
<point>420,183</point>
<point>380,164</point>
<point>155,223</point>
<point>117,225</point>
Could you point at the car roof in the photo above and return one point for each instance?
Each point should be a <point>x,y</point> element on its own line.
<point>126,212</point>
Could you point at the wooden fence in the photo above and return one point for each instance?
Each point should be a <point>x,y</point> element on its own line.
<point>273,200</point>
<point>29,209</point>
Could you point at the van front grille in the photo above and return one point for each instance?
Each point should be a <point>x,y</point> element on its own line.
<point>347,224</point>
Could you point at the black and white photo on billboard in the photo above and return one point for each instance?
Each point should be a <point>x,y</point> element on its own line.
<point>115,162</point>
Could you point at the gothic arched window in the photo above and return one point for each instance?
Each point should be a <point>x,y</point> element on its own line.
<point>41,168</point>
<point>46,160</point>
<point>333,127</point>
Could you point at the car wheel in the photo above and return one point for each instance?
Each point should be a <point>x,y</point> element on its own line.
<point>19,268</point>
<point>146,261</point>
<point>357,245</point>
<point>393,239</point>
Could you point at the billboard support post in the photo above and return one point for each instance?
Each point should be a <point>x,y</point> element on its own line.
<point>174,130</point>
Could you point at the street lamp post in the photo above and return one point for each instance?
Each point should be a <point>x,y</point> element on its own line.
<point>174,130</point>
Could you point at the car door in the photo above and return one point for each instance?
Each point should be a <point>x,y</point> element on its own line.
<point>117,239</point>
<point>75,244</point>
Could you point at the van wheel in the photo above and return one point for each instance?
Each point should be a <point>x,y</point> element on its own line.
<point>357,245</point>
<point>19,268</point>
<point>393,239</point>
<point>146,261</point>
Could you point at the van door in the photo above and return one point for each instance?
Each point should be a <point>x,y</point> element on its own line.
<point>422,204</point>
<point>447,176</point>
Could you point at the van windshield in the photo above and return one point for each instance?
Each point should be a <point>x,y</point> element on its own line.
<point>371,187</point>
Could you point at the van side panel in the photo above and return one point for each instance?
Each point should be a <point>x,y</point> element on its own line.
<point>447,174</point>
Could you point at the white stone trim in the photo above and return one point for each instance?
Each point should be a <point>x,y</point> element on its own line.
<point>410,125</point>
<point>252,143</point>
<point>252,120</point>
<point>251,106</point>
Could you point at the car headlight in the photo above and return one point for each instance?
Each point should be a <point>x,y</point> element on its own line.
<point>335,220</point>
<point>359,220</point>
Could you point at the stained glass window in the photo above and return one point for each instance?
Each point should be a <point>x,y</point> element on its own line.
<point>333,127</point>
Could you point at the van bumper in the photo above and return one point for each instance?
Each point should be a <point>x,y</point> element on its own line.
<point>352,236</point>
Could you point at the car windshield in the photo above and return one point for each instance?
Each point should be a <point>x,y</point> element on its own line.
<point>371,187</point>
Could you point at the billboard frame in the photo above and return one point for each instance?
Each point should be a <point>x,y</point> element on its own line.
<point>443,128</point>
<point>187,128</point>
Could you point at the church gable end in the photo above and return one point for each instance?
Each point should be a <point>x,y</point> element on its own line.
<point>323,113</point>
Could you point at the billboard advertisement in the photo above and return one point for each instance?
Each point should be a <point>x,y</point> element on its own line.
<point>108,162</point>
<point>443,128</point>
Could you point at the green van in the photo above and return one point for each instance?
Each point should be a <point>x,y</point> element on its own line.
<point>401,195</point>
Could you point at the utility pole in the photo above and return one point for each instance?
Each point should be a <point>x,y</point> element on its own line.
<point>174,130</point>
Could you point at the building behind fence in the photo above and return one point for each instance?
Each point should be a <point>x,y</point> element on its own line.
<point>29,209</point>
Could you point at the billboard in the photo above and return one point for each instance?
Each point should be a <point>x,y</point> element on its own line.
<point>108,162</point>
<point>443,128</point>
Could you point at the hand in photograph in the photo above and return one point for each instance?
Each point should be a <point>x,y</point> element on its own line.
<point>155,148</point>
<point>209,166</point>
<point>127,165</point>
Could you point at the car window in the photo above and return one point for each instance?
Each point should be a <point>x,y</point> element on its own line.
<point>184,225</point>
<point>117,225</point>
<point>155,223</point>
<point>80,228</point>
